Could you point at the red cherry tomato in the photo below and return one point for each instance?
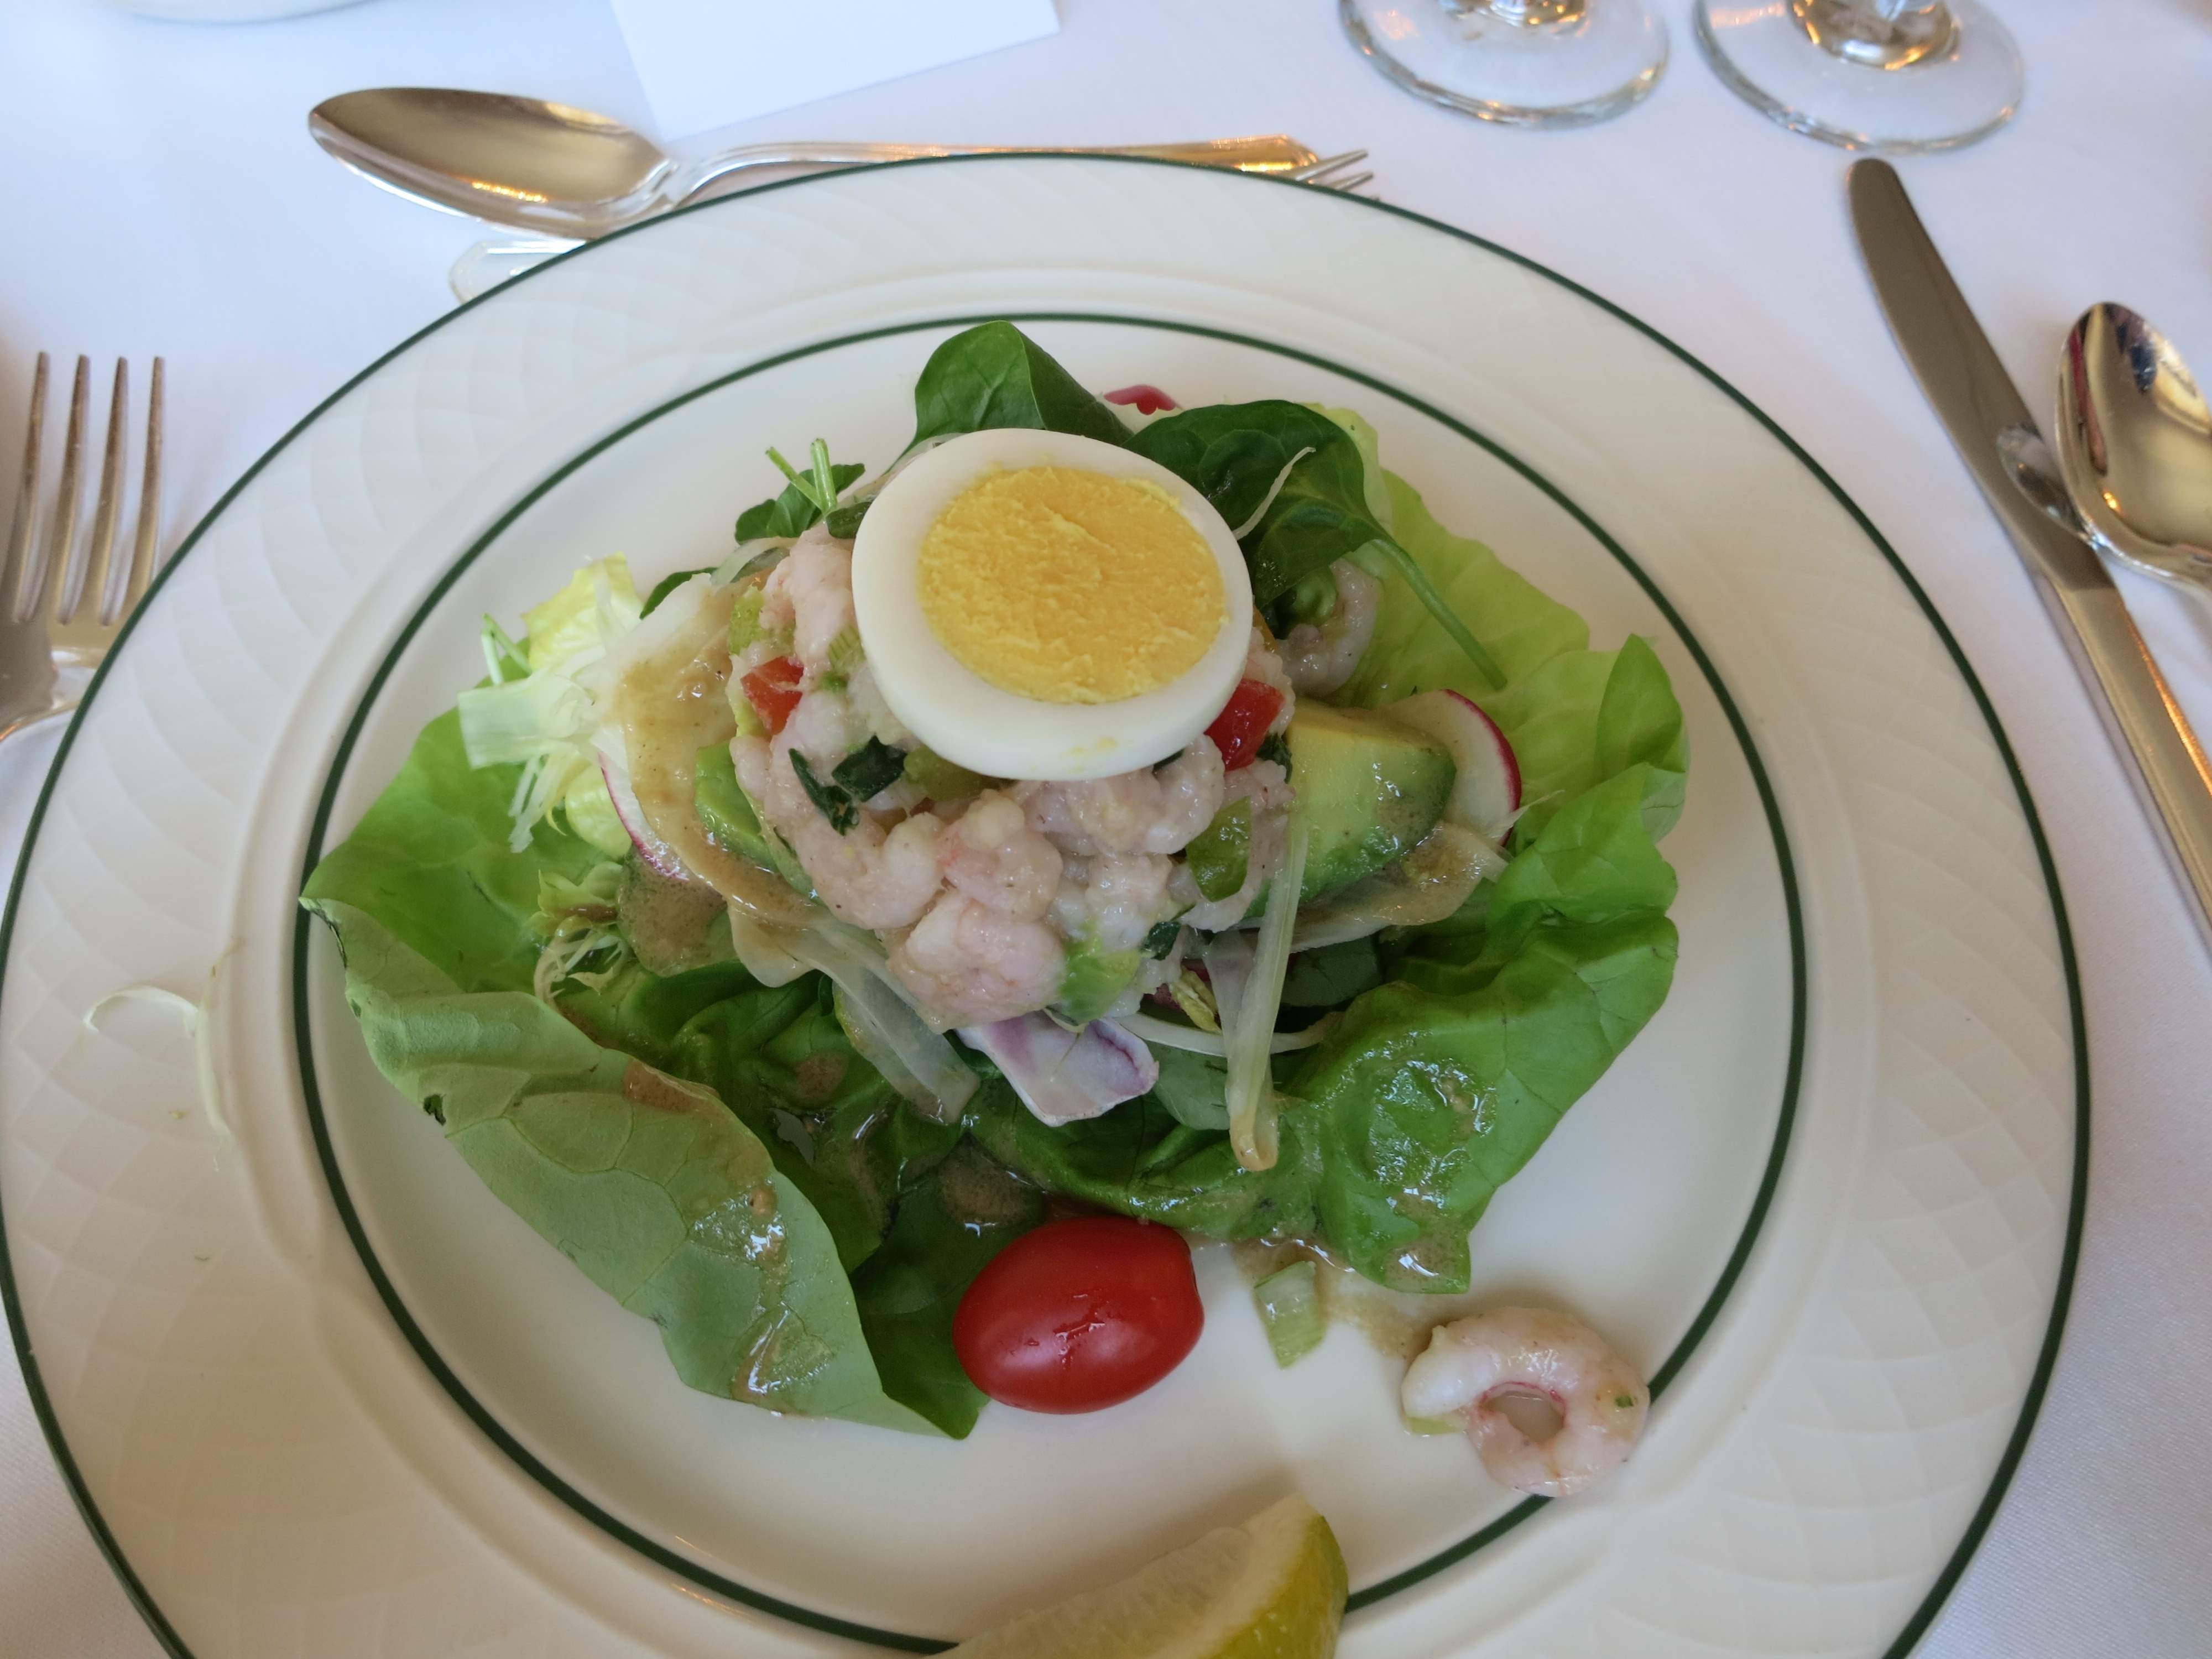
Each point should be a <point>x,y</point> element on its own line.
<point>773,690</point>
<point>1079,1314</point>
<point>1237,729</point>
<point>1148,400</point>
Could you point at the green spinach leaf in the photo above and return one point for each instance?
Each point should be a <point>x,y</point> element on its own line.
<point>948,1226</point>
<point>1235,453</point>
<point>833,803</point>
<point>995,375</point>
<point>791,511</point>
<point>870,769</point>
<point>1333,976</point>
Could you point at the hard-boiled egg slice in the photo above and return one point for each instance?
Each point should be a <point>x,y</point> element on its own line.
<point>1038,605</point>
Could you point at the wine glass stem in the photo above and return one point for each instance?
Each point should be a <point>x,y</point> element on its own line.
<point>1887,35</point>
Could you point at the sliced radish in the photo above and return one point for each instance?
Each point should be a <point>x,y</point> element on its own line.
<point>1485,796</point>
<point>650,848</point>
<point>1064,1076</point>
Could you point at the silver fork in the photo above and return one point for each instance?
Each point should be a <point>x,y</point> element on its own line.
<point>60,612</point>
<point>491,262</point>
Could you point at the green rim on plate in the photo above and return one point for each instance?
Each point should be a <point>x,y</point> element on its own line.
<point>1923,1616</point>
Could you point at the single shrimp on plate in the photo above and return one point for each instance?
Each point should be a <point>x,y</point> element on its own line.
<point>1472,1365</point>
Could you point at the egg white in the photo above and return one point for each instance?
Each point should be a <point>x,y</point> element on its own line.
<point>984,728</point>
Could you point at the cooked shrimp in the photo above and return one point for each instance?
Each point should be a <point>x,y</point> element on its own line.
<point>876,874</point>
<point>1112,901</point>
<point>812,593</point>
<point>972,965</point>
<point>990,854</point>
<point>1261,663</point>
<point>1146,811</point>
<point>1321,658</point>
<point>1471,1365</point>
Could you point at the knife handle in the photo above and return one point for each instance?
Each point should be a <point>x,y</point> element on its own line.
<point>2170,768</point>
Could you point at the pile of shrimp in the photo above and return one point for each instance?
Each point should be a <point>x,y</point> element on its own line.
<point>979,900</point>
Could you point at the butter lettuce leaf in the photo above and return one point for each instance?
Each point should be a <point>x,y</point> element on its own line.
<point>657,1192</point>
<point>1574,716</point>
<point>439,909</point>
<point>430,861</point>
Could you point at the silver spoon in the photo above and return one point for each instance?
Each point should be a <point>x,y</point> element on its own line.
<point>2134,446</point>
<point>564,172</point>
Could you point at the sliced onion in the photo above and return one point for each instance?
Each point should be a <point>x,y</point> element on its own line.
<point>1430,883</point>
<point>1064,1076</point>
<point>761,949</point>
<point>885,1027</point>
<point>761,553</point>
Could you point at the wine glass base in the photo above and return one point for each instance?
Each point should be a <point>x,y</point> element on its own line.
<point>1585,68</point>
<point>1948,98</point>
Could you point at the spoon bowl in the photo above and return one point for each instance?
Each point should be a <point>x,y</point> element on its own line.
<point>521,162</point>
<point>2134,446</point>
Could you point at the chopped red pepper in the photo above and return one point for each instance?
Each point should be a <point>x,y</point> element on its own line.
<point>1148,400</point>
<point>1237,729</point>
<point>773,690</point>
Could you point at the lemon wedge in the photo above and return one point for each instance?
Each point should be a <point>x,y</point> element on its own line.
<point>1272,1589</point>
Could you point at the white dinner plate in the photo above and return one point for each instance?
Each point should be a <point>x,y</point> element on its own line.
<point>319,1394</point>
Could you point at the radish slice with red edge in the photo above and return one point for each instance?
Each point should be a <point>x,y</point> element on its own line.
<point>1486,794</point>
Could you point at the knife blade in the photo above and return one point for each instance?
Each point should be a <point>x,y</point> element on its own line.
<point>1982,409</point>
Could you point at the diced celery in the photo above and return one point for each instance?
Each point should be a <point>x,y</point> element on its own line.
<point>1219,855</point>
<point>938,778</point>
<point>1289,1308</point>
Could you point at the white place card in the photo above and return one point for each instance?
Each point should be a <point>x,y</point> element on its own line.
<point>708,64</point>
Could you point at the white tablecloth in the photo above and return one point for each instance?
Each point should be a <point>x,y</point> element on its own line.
<point>160,194</point>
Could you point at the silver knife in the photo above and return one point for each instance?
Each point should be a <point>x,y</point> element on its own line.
<point>1994,432</point>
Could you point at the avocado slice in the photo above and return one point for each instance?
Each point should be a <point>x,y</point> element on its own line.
<point>730,822</point>
<point>1368,788</point>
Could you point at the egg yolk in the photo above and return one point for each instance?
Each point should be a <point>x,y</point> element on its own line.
<point>1067,586</point>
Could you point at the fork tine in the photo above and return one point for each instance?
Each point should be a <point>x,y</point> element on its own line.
<point>1351,186</point>
<point>1315,172</point>
<point>23,533</point>
<point>93,585</point>
<point>147,540</point>
<point>61,543</point>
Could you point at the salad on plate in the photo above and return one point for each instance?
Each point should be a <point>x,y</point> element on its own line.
<point>1110,826</point>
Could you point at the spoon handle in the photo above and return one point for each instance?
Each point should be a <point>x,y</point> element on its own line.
<point>1264,153</point>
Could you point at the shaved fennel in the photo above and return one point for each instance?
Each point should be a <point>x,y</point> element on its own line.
<point>884,1026</point>
<point>761,949</point>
